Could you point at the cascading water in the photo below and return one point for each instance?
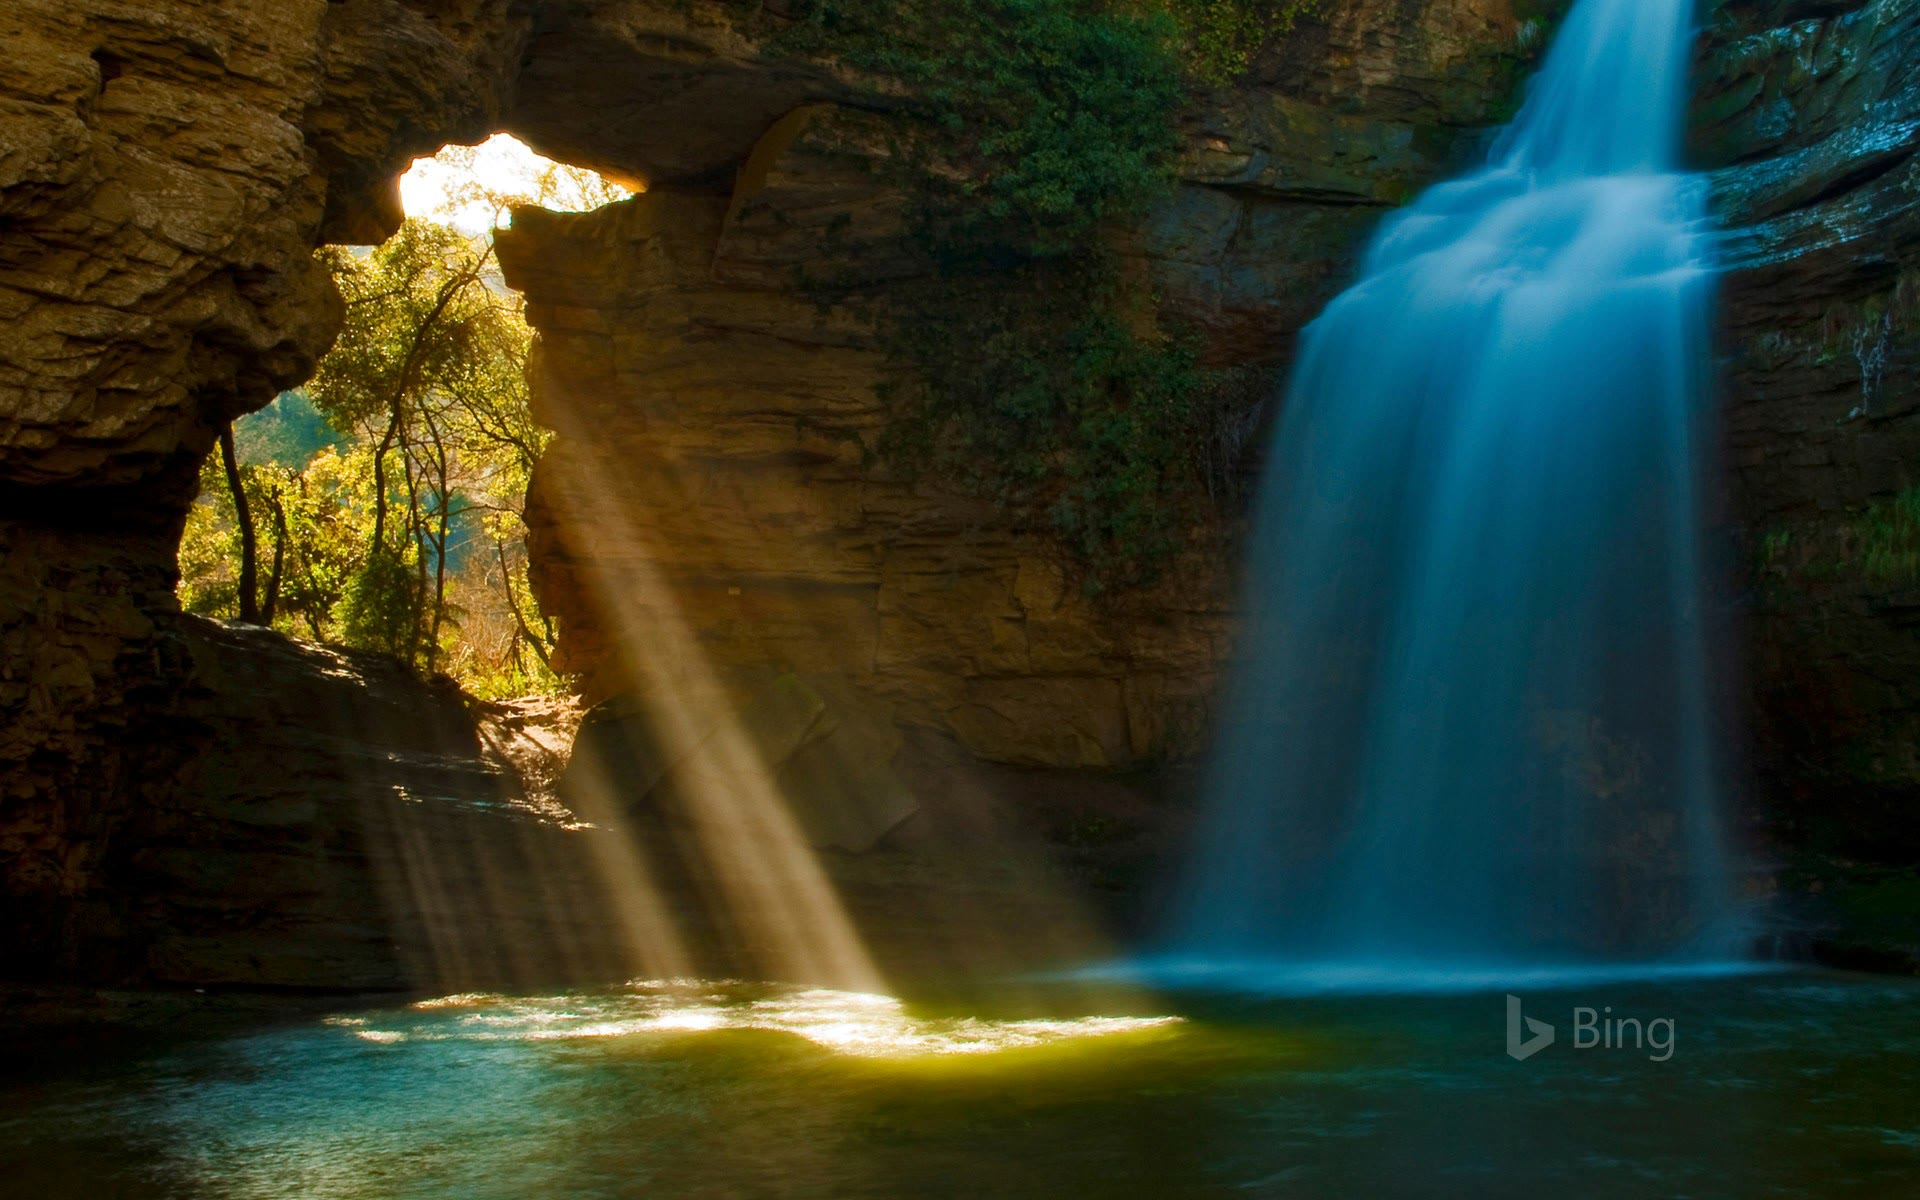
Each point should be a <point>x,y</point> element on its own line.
<point>1470,723</point>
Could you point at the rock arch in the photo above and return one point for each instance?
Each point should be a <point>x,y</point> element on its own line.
<point>166,169</point>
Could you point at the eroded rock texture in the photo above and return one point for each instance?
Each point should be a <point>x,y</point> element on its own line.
<point>166,170</point>
<point>307,818</point>
<point>171,806</point>
<point>719,474</point>
<point>1810,116</point>
<point>715,482</point>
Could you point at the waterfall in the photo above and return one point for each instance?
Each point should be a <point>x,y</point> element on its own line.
<point>1469,723</point>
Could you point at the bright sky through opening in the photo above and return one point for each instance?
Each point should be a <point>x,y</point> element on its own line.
<point>454,185</point>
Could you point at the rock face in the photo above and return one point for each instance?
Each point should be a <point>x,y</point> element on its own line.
<point>165,171</point>
<point>294,817</point>
<point>830,755</point>
<point>714,482</point>
<point>718,476</point>
<point>173,806</point>
<point>1810,117</point>
<point>167,168</point>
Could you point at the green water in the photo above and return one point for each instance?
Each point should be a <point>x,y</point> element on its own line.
<point>1786,1084</point>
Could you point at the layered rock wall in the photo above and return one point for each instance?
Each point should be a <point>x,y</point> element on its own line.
<point>1809,118</point>
<point>167,168</point>
<point>720,477</point>
<point>165,173</point>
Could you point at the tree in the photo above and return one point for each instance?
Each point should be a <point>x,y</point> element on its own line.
<point>249,544</point>
<point>319,521</point>
<point>407,535</point>
<point>430,371</point>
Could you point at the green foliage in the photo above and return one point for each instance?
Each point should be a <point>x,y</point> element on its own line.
<point>291,473</point>
<point>1130,405</point>
<point>1039,377</point>
<point>1773,549</point>
<point>493,652</point>
<point>382,609</point>
<point>210,549</point>
<point>1222,36</point>
<point>1877,549</point>
<point>1042,119</point>
<point>325,512</point>
<point>313,526</point>
<point>423,318</point>
<point>1889,540</point>
<point>290,431</point>
<point>430,375</point>
<point>1041,392</point>
<point>387,498</point>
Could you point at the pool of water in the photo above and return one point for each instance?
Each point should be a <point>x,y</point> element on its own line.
<point>1779,1084</point>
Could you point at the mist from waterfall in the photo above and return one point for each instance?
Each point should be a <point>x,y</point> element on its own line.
<point>1470,725</point>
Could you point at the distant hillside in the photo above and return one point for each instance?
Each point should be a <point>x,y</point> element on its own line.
<point>290,431</point>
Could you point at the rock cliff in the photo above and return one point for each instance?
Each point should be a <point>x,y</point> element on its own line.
<point>165,172</point>
<point>1810,120</point>
<point>720,474</point>
<point>166,169</point>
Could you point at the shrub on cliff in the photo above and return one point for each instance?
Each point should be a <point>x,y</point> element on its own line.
<point>1038,372</point>
<point>1220,37</point>
<point>1044,118</point>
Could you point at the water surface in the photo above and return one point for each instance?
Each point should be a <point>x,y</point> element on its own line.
<point>1785,1084</point>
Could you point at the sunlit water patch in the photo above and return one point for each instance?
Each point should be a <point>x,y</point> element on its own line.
<point>848,1022</point>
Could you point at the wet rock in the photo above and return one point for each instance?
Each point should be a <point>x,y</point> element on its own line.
<point>1809,118</point>
<point>293,816</point>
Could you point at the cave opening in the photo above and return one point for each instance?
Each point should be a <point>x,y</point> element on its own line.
<point>379,504</point>
<point>381,508</point>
